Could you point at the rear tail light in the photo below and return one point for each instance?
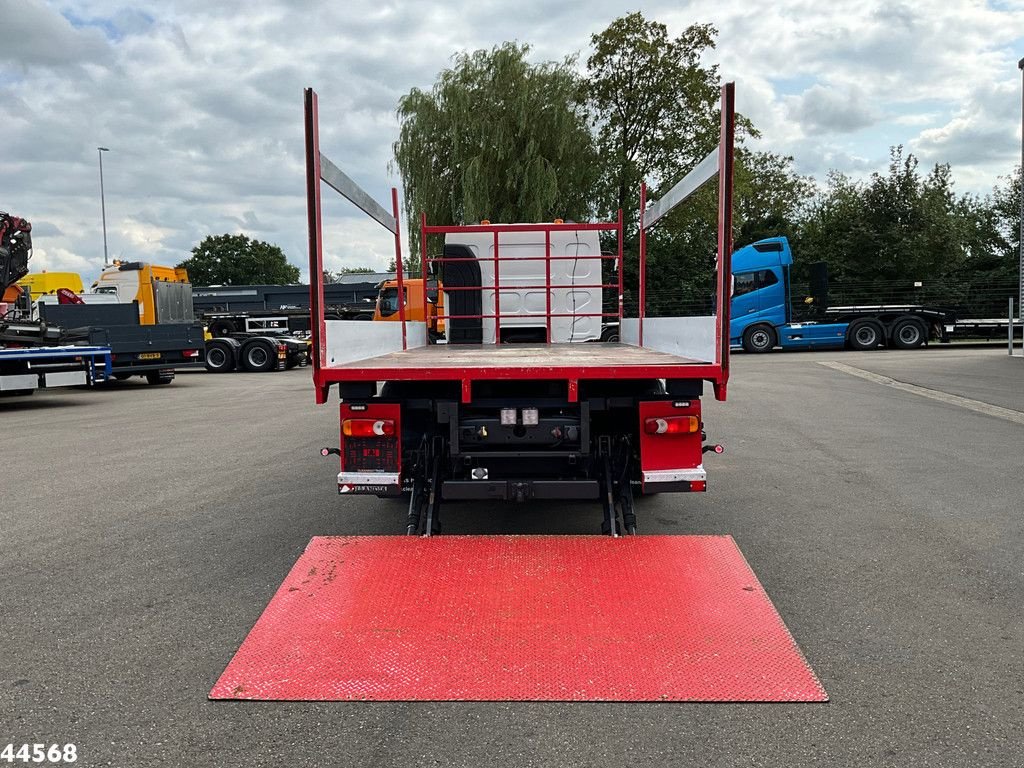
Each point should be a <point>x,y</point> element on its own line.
<point>190,353</point>
<point>368,427</point>
<point>698,485</point>
<point>672,425</point>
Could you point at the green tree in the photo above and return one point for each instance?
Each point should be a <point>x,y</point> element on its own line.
<point>1005,211</point>
<point>656,115</point>
<point>653,105</point>
<point>882,236</point>
<point>237,260</point>
<point>770,198</point>
<point>496,138</point>
<point>989,271</point>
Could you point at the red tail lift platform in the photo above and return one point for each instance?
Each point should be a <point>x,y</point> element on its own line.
<point>520,618</point>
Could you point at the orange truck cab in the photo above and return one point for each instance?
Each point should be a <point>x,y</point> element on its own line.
<point>433,314</point>
<point>164,294</point>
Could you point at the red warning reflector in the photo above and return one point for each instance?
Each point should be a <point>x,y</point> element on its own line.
<point>520,618</point>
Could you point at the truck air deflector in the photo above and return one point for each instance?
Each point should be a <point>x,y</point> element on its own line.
<point>520,618</point>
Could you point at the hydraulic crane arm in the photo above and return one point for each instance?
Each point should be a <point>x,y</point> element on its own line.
<point>15,249</point>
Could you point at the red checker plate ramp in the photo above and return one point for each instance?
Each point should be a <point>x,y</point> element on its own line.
<point>520,618</point>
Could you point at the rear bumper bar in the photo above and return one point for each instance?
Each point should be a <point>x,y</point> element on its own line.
<point>519,490</point>
<point>369,483</point>
<point>674,480</point>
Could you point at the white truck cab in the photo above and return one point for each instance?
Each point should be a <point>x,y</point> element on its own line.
<point>576,298</point>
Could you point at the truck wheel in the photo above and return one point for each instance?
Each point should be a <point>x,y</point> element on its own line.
<point>864,335</point>
<point>219,358</point>
<point>157,378</point>
<point>257,357</point>
<point>908,334</point>
<point>759,338</point>
<point>610,335</point>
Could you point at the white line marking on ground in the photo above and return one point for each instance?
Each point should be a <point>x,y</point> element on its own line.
<point>1017,417</point>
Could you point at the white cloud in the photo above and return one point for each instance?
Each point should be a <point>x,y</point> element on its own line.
<point>824,110</point>
<point>200,102</point>
<point>37,35</point>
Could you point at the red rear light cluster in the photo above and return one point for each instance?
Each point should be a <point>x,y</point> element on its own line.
<point>368,427</point>
<point>190,353</point>
<point>671,425</point>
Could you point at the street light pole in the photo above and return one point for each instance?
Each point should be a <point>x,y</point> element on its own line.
<point>103,203</point>
<point>1020,273</point>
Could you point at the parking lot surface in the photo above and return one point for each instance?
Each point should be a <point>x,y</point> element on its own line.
<point>143,530</point>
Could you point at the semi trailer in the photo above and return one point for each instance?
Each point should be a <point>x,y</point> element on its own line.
<point>24,369</point>
<point>762,316</point>
<point>163,296</point>
<point>152,351</point>
<point>142,312</point>
<point>521,399</point>
<point>34,355</point>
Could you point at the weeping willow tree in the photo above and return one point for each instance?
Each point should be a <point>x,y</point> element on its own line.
<point>496,138</point>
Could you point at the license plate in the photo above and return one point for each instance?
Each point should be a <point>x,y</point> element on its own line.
<point>149,356</point>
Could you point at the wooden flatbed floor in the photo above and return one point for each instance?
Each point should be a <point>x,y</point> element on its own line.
<point>488,356</point>
<point>468,363</point>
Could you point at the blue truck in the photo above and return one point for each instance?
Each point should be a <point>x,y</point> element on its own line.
<point>762,311</point>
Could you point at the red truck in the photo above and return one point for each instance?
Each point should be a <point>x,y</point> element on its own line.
<point>521,399</point>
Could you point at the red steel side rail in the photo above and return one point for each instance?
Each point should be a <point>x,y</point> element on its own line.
<point>320,168</point>
<point>547,283</point>
<point>423,268</point>
<point>316,255</point>
<point>496,230</point>
<point>718,162</point>
<point>398,272</point>
<point>497,292</point>
<point>642,262</point>
<point>725,181</point>
<point>620,270</point>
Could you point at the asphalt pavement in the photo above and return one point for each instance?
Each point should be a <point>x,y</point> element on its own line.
<point>144,529</point>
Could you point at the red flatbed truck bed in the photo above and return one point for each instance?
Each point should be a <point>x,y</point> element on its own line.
<point>570,362</point>
<point>518,421</point>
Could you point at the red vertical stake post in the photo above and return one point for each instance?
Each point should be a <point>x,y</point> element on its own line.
<point>398,266</point>
<point>642,298</point>
<point>547,280</point>
<point>622,268</point>
<point>423,272</point>
<point>725,183</point>
<point>315,229</point>
<point>497,292</point>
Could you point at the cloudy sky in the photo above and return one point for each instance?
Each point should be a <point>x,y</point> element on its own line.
<point>200,102</point>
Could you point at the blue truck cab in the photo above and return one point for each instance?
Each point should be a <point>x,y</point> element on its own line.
<point>762,303</point>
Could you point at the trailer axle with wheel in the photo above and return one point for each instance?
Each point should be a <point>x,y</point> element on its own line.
<point>254,353</point>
